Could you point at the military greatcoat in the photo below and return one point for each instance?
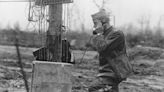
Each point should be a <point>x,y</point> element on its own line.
<point>113,60</point>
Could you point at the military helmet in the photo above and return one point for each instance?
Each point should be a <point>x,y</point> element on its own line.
<point>102,15</point>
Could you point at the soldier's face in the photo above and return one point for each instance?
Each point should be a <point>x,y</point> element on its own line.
<point>98,27</point>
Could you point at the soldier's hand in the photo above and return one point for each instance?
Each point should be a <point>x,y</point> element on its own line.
<point>98,42</point>
<point>97,39</point>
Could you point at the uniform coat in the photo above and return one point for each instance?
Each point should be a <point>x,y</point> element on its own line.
<point>113,60</point>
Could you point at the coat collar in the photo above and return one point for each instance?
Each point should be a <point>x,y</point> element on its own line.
<point>108,31</point>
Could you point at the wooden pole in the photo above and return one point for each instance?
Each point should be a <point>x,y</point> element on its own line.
<point>52,76</point>
<point>54,32</point>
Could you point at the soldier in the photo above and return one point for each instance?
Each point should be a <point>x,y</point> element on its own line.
<point>114,65</point>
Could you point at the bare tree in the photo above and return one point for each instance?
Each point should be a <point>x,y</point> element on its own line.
<point>98,6</point>
<point>144,22</point>
<point>159,22</point>
<point>147,22</point>
<point>141,22</point>
<point>102,5</point>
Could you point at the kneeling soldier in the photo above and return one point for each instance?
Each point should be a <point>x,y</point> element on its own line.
<point>114,66</point>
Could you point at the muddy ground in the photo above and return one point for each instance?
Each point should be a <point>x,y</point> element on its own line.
<point>148,65</point>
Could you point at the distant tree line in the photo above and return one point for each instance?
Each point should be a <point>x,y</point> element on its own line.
<point>26,38</point>
<point>148,37</point>
<point>134,36</point>
<point>36,39</point>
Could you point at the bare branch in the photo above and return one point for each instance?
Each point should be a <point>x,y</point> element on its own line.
<point>103,3</point>
<point>98,6</point>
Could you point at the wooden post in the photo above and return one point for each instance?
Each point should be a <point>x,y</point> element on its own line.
<point>54,32</point>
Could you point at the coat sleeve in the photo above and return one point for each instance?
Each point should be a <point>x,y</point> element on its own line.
<point>111,42</point>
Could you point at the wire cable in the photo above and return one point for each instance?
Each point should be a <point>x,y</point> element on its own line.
<point>85,50</point>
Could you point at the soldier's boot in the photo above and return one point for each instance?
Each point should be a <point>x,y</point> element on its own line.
<point>115,88</point>
<point>100,88</point>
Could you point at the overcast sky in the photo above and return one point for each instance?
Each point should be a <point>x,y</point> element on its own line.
<point>125,11</point>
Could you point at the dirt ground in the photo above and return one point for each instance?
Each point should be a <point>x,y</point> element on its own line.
<point>148,65</point>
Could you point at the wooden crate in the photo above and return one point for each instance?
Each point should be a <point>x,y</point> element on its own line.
<point>51,77</point>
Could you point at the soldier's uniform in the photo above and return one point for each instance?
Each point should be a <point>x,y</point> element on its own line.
<point>113,61</point>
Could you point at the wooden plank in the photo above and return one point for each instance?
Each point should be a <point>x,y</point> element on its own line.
<point>51,77</point>
<point>49,2</point>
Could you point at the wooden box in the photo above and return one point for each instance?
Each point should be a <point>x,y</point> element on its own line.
<point>51,77</point>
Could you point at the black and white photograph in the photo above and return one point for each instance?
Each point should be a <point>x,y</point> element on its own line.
<point>81,45</point>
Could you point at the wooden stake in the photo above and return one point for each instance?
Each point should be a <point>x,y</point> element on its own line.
<point>54,32</point>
